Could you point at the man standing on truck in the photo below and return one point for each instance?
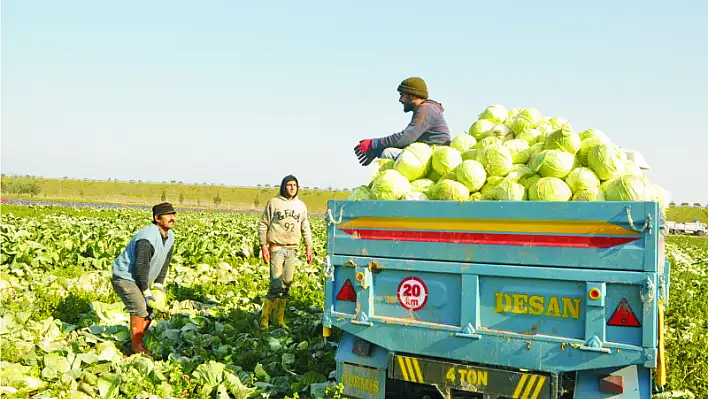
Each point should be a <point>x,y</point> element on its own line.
<point>283,224</point>
<point>142,267</point>
<point>427,125</point>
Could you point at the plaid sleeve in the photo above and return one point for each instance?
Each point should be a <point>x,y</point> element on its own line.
<point>422,120</point>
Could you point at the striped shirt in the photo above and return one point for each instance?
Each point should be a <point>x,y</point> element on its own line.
<point>427,125</point>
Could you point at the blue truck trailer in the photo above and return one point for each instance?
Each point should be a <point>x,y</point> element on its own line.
<point>496,299</point>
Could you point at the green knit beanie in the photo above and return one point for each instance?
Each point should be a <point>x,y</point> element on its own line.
<point>415,86</point>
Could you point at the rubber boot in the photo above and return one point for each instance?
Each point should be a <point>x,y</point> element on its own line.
<point>138,326</point>
<point>268,306</point>
<point>280,312</point>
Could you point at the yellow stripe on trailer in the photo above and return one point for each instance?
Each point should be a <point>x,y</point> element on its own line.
<point>600,227</point>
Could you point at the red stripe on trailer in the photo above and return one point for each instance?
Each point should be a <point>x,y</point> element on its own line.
<point>532,240</point>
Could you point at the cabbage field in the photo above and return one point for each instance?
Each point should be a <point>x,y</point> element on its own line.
<point>515,155</point>
<point>64,334</point>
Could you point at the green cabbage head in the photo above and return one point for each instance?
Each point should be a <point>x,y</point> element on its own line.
<point>529,180</point>
<point>390,185</point>
<point>582,178</point>
<point>476,196</point>
<point>414,161</point>
<point>445,159</point>
<point>469,154</point>
<point>496,113</point>
<point>520,150</point>
<point>518,172</point>
<point>510,191</point>
<point>498,160</point>
<point>489,190</point>
<point>595,134</point>
<point>606,161</point>
<point>527,118</point>
<point>485,143</point>
<point>550,189</point>
<point>589,194</point>
<point>529,135</point>
<point>450,190</point>
<point>481,129</point>
<point>463,142</point>
<point>563,140</point>
<point>422,185</point>
<point>361,193</point>
<point>585,147</point>
<point>471,174</point>
<point>553,163</point>
<point>627,188</point>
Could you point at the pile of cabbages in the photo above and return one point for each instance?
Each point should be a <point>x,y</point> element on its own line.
<point>515,155</point>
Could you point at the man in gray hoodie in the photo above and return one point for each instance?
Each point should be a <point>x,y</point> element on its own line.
<point>283,224</point>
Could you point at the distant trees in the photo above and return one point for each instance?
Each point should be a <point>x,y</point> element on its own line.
<point>684,204</point>
<point>31,189</point>
<point>697,204</point>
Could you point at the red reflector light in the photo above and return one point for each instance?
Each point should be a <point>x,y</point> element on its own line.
<point>623,316</point>
<point>594,293</point>
<point>347,292</point>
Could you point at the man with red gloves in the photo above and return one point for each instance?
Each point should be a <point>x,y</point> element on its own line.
<point>427,125</point>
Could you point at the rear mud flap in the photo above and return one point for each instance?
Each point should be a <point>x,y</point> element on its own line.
<point>361,368</point>
<point>635,381</point>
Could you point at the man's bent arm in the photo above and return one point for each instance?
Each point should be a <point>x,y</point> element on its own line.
<point>421,122</point>
<point>143,254</point>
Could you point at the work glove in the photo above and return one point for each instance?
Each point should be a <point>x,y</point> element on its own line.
<point>158,286</point>
<point>365,153</point>
<point>147,294</point>
<point>265,253</point>
<point>308,252</point>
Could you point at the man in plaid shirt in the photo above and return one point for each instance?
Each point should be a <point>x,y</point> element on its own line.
<point>427,125</point>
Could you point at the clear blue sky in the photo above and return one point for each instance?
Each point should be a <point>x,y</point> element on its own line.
<point>243,93</point>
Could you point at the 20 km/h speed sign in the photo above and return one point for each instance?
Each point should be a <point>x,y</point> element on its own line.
<point>412,293</point>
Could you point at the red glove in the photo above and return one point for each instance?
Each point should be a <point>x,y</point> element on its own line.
<point>265,252</point>
<point>364,146</point>
<point>308,251</point>
<point>364,152</point>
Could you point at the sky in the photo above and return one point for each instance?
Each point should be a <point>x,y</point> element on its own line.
<point>243,93</point>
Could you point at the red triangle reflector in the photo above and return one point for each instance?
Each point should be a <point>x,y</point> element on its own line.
<point>347,292</point>
<point>623,316</point>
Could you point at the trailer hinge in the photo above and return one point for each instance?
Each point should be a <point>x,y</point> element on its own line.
<point>647,292</point>
<point>650,356</point>
<point>328,268</point>
<point>468,332</point>
<point>362,319</point>
<point>594,344</point>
